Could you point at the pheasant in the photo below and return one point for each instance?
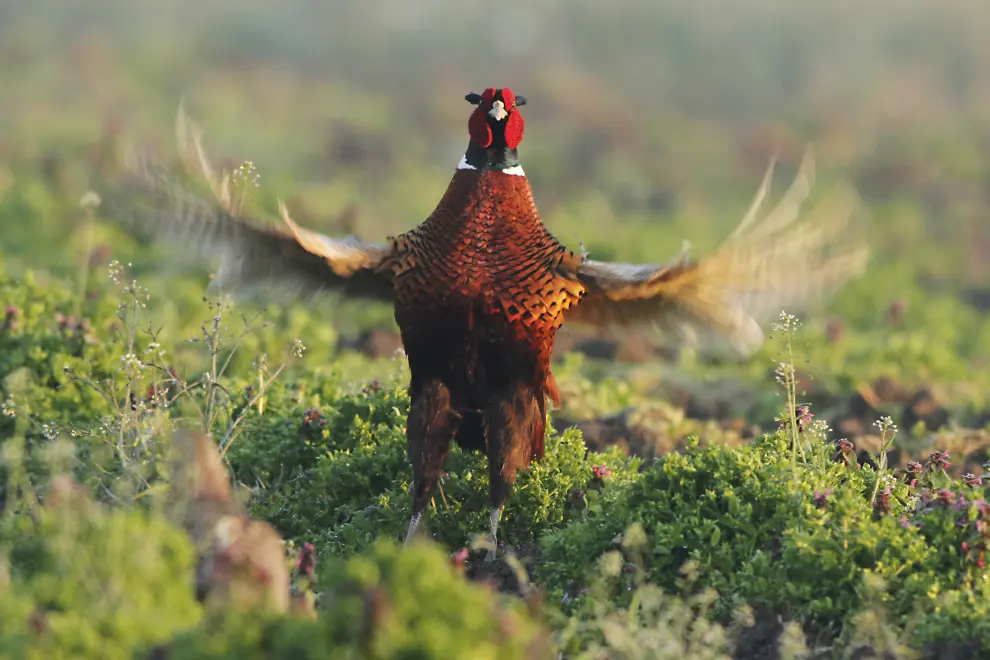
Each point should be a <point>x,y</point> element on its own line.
<point>481,287</point>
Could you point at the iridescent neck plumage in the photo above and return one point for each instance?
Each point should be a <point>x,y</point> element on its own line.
<point>500,159</point>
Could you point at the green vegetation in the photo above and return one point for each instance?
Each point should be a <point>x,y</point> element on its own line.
<point>826,495</point>
<point>789,525</point>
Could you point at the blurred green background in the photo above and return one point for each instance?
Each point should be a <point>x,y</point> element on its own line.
<point>647,124</point>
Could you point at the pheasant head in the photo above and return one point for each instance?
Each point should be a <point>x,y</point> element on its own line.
<point>495,128</point>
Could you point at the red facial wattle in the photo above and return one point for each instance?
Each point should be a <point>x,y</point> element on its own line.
<point>481,132</point>
<point>478,128</point>
<point>514,128</point>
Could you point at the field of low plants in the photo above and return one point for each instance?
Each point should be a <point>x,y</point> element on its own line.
<point>825,498</point>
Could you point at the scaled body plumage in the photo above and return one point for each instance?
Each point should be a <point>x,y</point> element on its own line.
<point>480,288</point>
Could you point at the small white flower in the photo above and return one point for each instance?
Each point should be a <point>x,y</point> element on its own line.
<point>885,424</point>
<point>788,323</point>
<point>114,271</point>
<point>784,372</point>
<point>247,173</point>
<point>132,362</point>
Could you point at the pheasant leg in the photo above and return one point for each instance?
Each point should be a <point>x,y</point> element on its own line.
<point>429,429</point>
<point>496,516</point>
<point>413,526</point>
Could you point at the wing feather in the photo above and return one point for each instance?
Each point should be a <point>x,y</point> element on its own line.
<point>151,199</point>
<point>782,262</point>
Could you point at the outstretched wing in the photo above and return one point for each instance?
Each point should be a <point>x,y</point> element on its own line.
<point>766,266</point>
<point>151,199</point>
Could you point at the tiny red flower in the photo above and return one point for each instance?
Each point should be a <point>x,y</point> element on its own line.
<point>847,451</point>
<point>314,416</point>
<point>821,497</point>
<point>882,503</point>
<point>938,460</point>
<point>306,562</point>
<point>601,471</point>
<point>459,557</point>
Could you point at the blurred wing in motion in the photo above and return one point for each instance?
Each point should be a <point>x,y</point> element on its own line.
<point>766,266</point>
<point>150,199</point>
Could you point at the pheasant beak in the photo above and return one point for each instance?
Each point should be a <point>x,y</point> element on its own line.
<point>498,112</point>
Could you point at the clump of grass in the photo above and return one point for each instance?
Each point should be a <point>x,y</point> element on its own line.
<point>653,625</point>
<point>146,396</point>
<point>809,437</point>
<point>887,430</point>
<point>786,376</point>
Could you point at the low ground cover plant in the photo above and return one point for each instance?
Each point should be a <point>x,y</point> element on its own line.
<point>788,545</point>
